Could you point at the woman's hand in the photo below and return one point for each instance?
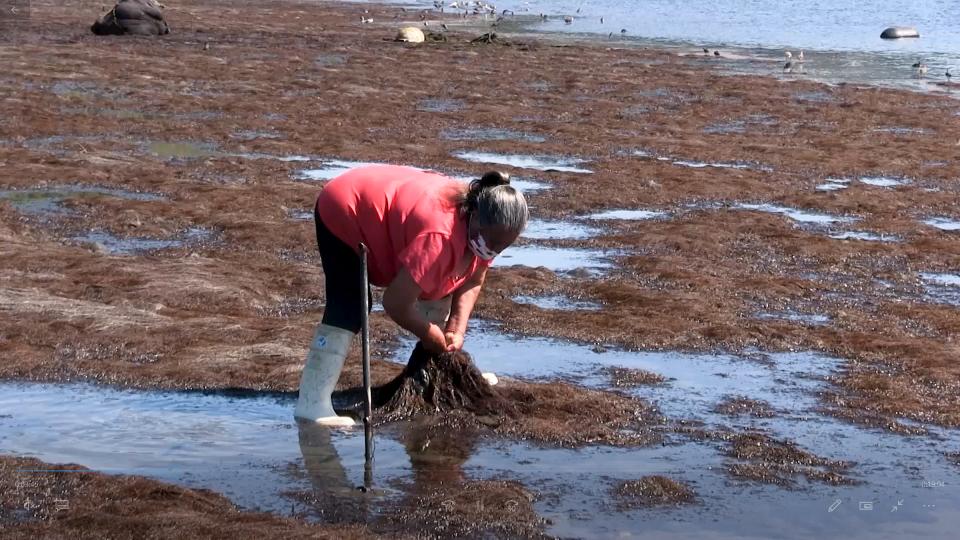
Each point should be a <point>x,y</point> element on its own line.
<point>434,340</point>
<point>454,341</point>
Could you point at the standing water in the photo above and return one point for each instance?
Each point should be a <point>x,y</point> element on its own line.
<point>248,446</point>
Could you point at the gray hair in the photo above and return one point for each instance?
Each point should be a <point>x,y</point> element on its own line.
<point>497,203</point>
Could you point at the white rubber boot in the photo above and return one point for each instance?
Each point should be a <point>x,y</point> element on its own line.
<point>437,312</point>
<point>320,374</point>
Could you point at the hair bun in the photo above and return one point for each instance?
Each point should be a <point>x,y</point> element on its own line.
<point>493,179</point>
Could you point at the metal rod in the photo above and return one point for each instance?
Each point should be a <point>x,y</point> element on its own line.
<point>365,344</point>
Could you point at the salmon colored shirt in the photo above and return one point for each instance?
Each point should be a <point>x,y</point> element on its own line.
<point>405,218</point>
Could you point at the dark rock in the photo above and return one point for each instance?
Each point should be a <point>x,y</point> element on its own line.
<point>135,17</point>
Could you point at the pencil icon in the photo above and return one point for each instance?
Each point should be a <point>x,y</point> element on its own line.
<point>835,505</point>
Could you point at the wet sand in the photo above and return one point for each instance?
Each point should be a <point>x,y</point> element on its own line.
<point>218,119</point>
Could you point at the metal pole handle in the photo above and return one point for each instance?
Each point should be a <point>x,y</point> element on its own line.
<point>365,351</point>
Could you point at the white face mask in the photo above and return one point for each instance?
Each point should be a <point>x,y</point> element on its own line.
<point>479,248</point>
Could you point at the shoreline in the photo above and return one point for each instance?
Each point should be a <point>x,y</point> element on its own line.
<point>890,71</point>
<point>584,23</point>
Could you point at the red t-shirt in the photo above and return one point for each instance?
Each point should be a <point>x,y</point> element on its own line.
<point>405,218</point>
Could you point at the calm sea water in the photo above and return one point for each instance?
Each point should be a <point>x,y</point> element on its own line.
<point>841,38</point>
<point>827,25</point>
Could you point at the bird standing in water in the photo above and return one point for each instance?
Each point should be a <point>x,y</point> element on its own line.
<point>788,65</point>
<point>920,69</point>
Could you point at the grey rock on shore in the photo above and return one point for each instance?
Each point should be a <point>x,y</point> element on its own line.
<point>135,17</point>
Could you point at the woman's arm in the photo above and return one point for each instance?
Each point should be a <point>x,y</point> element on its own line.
<point>400,303</point>
<point>464,299</point>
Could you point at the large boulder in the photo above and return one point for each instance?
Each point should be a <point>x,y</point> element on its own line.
<point>136,17</point>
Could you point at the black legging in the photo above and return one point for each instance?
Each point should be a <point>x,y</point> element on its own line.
<point>344,281</point>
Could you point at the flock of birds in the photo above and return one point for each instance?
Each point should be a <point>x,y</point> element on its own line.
<point>792,64</point>
<point>796,63</point>
<point>920,70</point>
<point>474,7</point>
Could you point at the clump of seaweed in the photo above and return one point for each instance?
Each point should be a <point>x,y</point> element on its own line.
<point>622,377</point>
<point>740,406</point>
<point>774,461</point>
<point>652,490</point>
<point>439,383</point>
<point>449,388</point>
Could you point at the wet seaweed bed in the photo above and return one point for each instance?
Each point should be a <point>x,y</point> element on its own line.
<point>735,458</point>
<point>247,446</point>
<point>786,307</point>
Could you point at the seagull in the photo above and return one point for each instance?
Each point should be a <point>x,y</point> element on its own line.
<point>948,74</point>
<point>920,69</point>
<point>800,60</point>
<point>568,19</point>
<point>716,53</point>
<point>788,65</point>
<point>601,20</point>
<point>364,20</point>
<point>444,26</point>
<point>623,30</point>
<point>706,50</point>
